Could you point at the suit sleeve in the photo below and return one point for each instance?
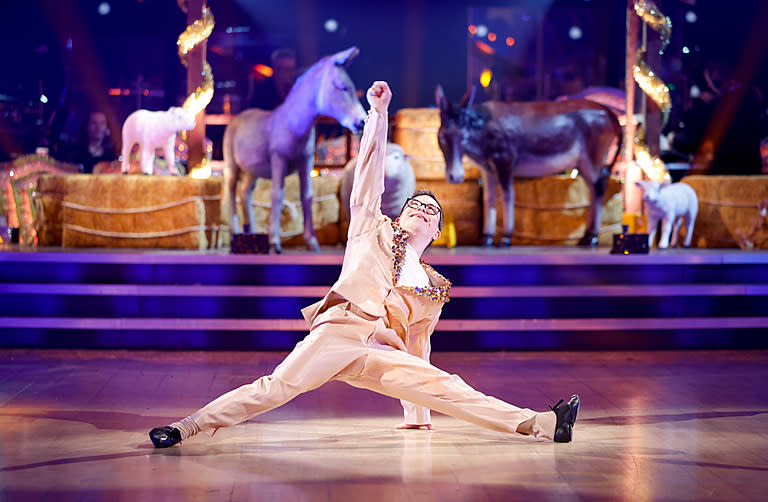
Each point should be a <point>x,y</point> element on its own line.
<point>420,346</point>
<point>368,184</point>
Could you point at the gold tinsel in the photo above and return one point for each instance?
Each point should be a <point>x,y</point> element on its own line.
<point>653,167</point>
<point>651,84</point>
<point>654,18</point>
<point>645,77</point>
<point>195,34</point>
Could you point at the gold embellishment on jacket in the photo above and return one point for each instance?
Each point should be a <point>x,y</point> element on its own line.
<point>434,293</point>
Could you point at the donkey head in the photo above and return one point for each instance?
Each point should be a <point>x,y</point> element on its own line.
<point>453,132</point>
<point>337,94</point>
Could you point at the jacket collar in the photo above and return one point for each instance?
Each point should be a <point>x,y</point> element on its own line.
<point>439,287</point>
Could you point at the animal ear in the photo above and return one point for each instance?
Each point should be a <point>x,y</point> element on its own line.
<point>344,57</point>
<point>469,98</point>
<point>440,100</point>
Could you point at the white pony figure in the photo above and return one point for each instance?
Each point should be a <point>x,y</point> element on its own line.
<point>670,203</point>
<point>153,130</point>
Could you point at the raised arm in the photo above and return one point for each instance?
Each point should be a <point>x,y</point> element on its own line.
<point>368,184</point>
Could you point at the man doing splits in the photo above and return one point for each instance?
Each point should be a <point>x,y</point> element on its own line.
<point>372,329</point>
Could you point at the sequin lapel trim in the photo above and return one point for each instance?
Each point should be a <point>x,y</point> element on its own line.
<point>434,293</point>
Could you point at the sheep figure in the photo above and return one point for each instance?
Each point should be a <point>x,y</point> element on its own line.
<point>672,204</point>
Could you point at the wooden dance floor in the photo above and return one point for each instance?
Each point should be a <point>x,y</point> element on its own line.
<point>688,425</point>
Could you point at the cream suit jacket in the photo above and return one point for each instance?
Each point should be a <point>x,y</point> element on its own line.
<point>367,276</point>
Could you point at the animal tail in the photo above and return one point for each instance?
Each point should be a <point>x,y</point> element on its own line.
<point>617,131</point>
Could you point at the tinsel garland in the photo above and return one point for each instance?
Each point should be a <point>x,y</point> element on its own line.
<point>655,88</point>
<point>653,167</point>
<point>194,35</point>
<point>653,17</point>
<point>645,77</point>
<point>652,85</point>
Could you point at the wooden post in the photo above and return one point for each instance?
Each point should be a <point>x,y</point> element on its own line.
<point>633,203</point>
<point>195,58</point>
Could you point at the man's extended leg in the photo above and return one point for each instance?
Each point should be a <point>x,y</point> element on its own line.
<point>334,346</point>
<point>398,374</point>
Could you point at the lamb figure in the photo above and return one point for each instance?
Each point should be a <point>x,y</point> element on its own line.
<point>153,130</point>
<point>670,203</point>
<point>399,183</point>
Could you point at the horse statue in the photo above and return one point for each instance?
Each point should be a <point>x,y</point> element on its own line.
<point>273,144</point>
<point>530,139</point>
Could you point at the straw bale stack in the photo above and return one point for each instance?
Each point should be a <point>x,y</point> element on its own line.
<point>325,209</point>
<point>131,211</point>
<point>731,211</point>
<point>553,211</point>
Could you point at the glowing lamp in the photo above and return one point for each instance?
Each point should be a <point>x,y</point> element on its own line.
<point>485,77</point>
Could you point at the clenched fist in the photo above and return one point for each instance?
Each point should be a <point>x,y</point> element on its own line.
<point>379,96</point>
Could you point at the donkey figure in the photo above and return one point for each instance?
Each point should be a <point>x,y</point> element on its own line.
<point>531,139</point>
<point>273,144</point>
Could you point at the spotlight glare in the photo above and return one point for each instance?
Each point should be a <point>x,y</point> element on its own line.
<point>482,30</point>
<point>575,33</point>
<point>104,8</point>
<point>331,25</point>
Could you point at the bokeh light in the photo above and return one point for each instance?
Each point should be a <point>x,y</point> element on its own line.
<point>575,33</point>
<point>331,25</point>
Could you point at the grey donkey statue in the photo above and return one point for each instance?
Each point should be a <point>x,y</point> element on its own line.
<point>273,144</point>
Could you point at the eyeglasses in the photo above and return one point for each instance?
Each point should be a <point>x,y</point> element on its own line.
<point>430,209</point>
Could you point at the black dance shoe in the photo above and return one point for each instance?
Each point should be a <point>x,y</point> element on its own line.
<point>566,417</point>
<point>163,437</point>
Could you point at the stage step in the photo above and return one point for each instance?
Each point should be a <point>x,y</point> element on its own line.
<point>524,298</point>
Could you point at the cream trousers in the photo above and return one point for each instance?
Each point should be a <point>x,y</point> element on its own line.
<point>340,347</point>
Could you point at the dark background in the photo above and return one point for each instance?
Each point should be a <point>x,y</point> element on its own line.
<point>414,44</point>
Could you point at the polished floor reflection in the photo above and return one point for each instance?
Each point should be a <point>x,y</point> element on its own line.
<point>653,426</point>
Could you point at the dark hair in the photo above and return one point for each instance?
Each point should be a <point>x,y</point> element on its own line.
<point>430,193</point>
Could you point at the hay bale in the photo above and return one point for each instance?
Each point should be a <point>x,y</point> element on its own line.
<point>415,129</point>
<point>18,191</point>
<point>131,211</point>
<point>730,211</point>
<point>463,203</point>
<point>553,211</point>
<point>325,209</point>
